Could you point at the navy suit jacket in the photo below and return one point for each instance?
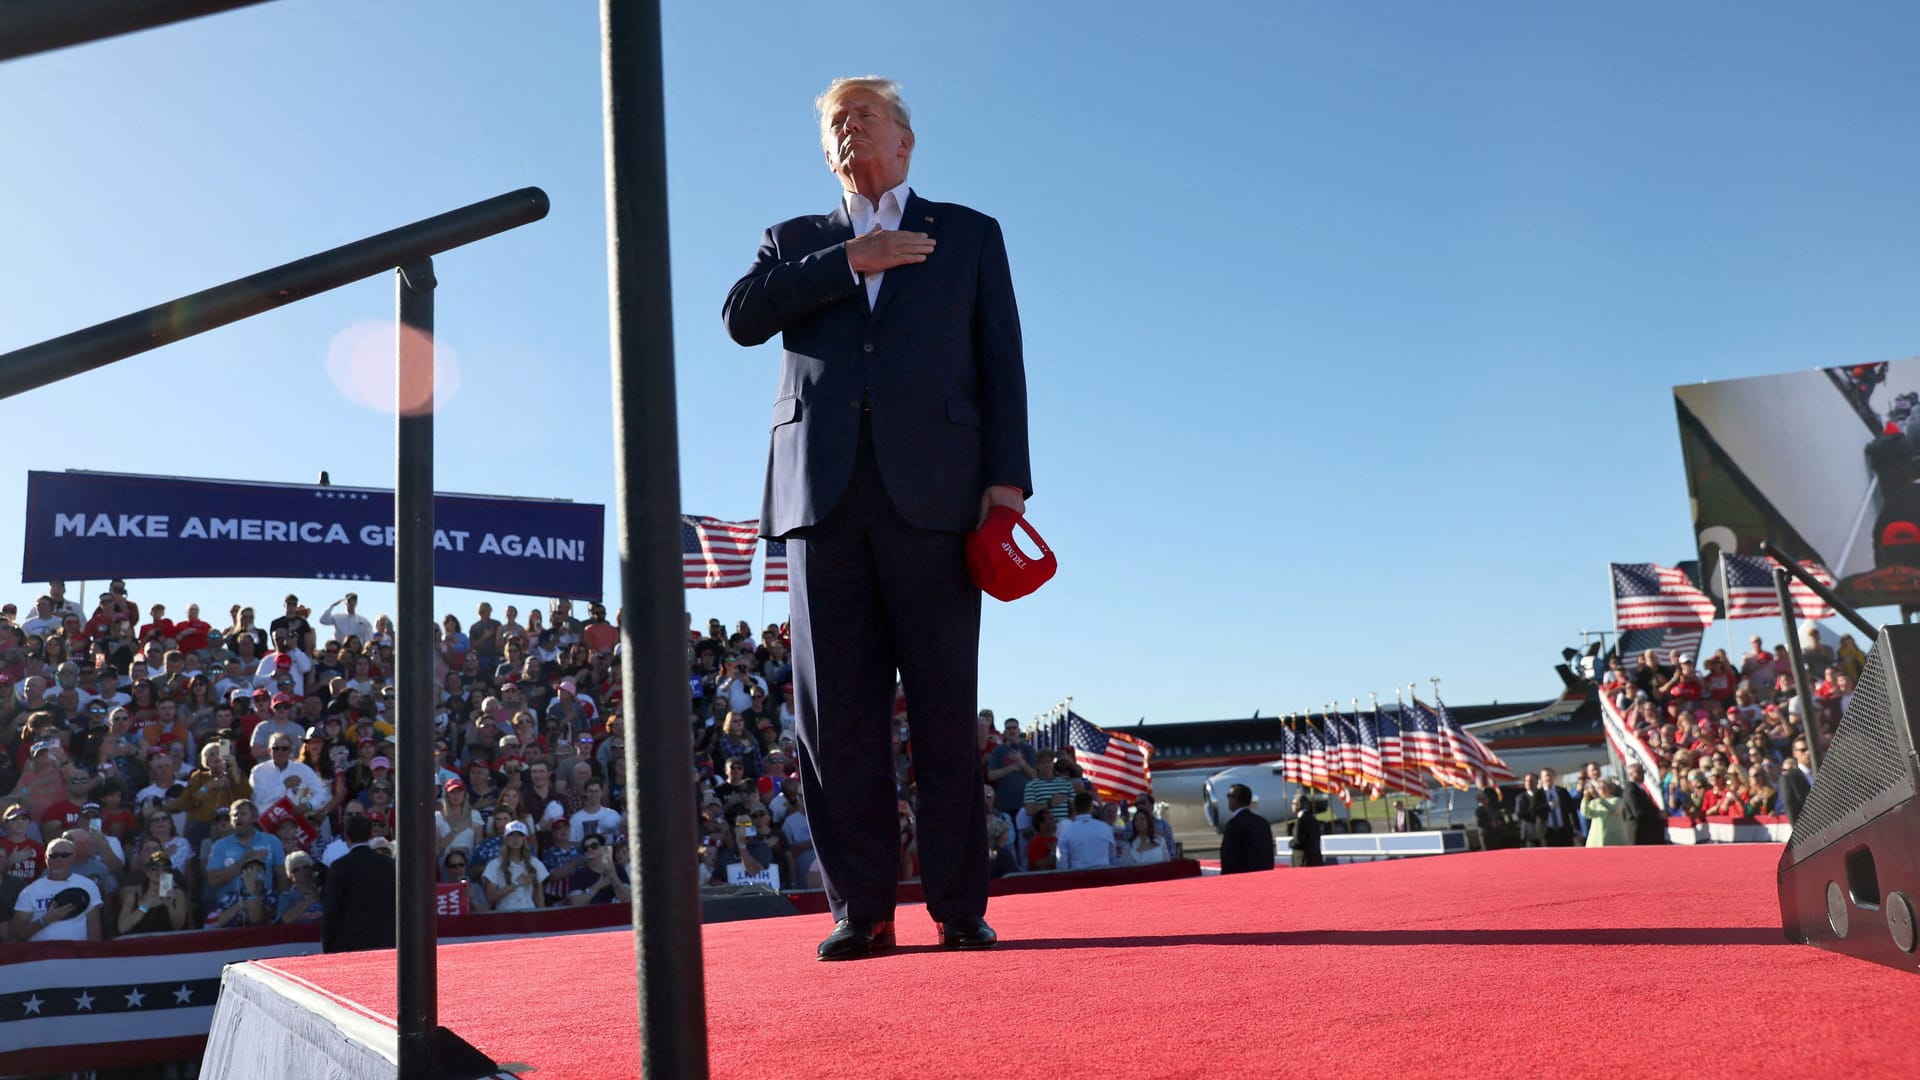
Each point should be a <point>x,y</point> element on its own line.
<point>937,355</point>
<point>358,905</point>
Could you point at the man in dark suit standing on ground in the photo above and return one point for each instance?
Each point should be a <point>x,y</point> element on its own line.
<point>1304,847</point>
<point>1647,821</point>
<point>1247,841</point>
<point>358,908</point>
<point>1796,780</point>
<point>1556,810</point>
<point>900,418</point>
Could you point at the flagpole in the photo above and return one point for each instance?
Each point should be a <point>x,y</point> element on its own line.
<point>1380,738</point>
<point>1613,597</point>
<point>1726,606</point>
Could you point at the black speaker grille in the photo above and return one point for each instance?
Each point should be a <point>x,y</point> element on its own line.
<point>1865,760</point>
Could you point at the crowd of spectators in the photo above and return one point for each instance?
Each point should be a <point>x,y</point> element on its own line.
<point>163,774</point>
<point>1728,736</point>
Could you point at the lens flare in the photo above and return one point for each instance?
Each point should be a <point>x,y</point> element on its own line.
<point>361,361</point>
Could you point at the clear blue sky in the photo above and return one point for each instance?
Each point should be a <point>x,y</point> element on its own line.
<point>1350,328</point>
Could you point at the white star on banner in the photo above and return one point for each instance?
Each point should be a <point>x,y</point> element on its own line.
<point>183,995</point>
<point>84,1001</point>
<point>33,1005</point>
<point>135,997</point>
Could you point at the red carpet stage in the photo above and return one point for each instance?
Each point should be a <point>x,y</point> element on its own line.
<point>1624,961</point>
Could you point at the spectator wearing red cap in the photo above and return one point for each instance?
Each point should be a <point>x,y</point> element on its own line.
<point>286,660</point>
<point>457,823</point>
<point>280,720</point>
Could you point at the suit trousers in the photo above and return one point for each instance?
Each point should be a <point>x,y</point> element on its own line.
<point>872,596</point>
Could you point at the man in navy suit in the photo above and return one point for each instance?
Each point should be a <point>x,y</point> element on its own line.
<point>901,417</point>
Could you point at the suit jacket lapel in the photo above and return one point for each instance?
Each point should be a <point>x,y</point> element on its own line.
<point>913,218</point>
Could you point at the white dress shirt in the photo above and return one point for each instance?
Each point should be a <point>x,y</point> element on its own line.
<point>1085,842</point>
<point>864,216</point>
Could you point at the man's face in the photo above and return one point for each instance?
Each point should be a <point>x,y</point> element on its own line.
<point>859,131</point>
<point>539,772</point>
<point>1546,777</point>
<point>1801,754</point>
<point>61,855</point>
<point>243,815</point>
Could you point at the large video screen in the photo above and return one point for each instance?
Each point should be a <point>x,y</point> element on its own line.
<point>1824,463</point>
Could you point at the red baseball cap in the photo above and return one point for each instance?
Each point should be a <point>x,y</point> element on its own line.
<point>997,565</point>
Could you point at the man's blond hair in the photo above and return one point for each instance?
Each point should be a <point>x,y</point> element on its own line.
<point>886,89</point>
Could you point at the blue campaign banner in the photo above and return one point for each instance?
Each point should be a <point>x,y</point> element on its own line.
<point>95,526</point>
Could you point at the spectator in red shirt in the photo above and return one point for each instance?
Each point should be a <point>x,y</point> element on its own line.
<point>191,634</point>
<point>1685,683</point>
<point>22,857</point>
<point>158,627</point>
<point>1040,849</point>
<point>1720,680</point>
<point>1722,799</point>
<point>597,633</point>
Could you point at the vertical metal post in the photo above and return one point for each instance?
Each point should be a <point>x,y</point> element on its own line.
<point>419,991</point>
<point>1807,726</point>
<point>660,809</point>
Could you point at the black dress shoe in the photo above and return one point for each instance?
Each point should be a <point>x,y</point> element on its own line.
<point>855,938</point>
<point>967,932</point>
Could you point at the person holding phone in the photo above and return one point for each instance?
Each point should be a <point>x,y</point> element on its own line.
<point>157,903</point>
<point>251,901</point>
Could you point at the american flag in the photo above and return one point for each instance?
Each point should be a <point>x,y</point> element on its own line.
<point>717,554</point>
<point>1486,766</point>
<point>1647,596</point>
<point>1420,739</point>
<point>774,574</point>
<point>1290,753</point>
<point>1400,774</point>
<point>1118,765</point>
<point>1664,644</point>
<point>1346,749</point>
<point>1367,730</point>
<point>1439,750</point>
<point>1317,775</point>
<point>1750,593</point>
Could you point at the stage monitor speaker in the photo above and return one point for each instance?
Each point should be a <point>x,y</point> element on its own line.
<point>1851,870</point>
<point>732,903</point>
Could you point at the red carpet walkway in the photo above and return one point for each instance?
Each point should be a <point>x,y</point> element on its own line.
<point>1611,962</point>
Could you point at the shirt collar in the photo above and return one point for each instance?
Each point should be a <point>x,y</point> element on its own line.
<point>857,205</point>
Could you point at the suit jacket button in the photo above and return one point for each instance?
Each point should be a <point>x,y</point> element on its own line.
<point>868,347</point>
